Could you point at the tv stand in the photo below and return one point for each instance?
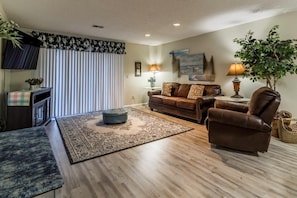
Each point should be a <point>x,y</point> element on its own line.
<point>37,113</point>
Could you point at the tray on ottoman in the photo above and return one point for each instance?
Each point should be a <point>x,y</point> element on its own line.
<point>115,116</point>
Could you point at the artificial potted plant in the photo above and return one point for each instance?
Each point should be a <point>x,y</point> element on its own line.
<point>34,82</point>
<point>8,31</point>
<point>269,59</point>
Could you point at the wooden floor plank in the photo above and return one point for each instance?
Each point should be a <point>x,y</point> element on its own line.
<point>184,165</point>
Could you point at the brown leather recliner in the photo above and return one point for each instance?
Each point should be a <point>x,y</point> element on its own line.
<point>248,129</point>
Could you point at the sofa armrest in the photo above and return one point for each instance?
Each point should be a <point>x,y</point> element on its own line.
<point>205,100</point>
<point>153,92</point>
<point>234,106</point>
<point>237,119</point>
<point>203,103</point>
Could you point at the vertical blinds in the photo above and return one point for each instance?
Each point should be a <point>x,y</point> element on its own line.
<point>82,81</point>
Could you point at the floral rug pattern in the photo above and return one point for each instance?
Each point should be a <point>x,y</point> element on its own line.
<point>86,136</point>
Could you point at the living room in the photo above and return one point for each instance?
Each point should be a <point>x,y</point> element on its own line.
<point>223,52</point>
<point>220,45</point>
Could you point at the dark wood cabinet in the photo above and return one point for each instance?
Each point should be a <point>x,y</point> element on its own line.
<point>37,113</point>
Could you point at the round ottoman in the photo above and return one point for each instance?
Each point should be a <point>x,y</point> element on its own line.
<point>114,116</point>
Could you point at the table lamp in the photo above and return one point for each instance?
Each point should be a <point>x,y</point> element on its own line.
<point>153,68</point>
<point>236,69</point>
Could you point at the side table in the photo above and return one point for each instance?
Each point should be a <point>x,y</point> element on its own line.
<point>151,89</point>
<point>230,99</point>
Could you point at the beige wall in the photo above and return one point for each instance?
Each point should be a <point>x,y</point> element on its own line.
<point>220,45</point>
<point>136,87</point>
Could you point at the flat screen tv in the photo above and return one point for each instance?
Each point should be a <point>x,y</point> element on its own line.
<point>22,58</point>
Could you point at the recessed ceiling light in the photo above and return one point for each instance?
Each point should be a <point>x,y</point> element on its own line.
<point>98,26</point>
<point>176,24</point>
<point>147,35</point>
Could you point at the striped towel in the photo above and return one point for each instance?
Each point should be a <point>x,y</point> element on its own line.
<point>19,98</point>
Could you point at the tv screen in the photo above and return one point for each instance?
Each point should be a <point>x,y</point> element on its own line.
<point>22,58</point>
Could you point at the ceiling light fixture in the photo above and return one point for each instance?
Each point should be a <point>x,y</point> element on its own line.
<point>98,26</point>
<point>147,35</point>
<point>176,24</point>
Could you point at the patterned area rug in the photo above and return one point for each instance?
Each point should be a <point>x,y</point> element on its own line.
<point>86,136</point>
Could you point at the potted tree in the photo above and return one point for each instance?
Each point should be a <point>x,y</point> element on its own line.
<point>269,59</point>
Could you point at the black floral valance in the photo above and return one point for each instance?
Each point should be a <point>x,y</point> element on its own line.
<point>79,44</point>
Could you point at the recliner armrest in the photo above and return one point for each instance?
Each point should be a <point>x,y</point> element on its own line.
<point>237,119</point>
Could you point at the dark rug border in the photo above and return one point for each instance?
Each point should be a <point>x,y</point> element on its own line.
<point>68,152</point>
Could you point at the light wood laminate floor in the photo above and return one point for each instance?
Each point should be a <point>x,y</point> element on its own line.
<point>184,165</point>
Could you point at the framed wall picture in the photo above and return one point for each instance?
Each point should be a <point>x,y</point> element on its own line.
<point>137,68</point>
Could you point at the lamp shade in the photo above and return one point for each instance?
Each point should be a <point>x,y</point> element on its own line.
<point>154,68</point>
<point>235,69</point>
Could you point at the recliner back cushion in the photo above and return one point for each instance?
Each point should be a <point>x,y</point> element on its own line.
<point>183,90</point>
<point>264,103</point>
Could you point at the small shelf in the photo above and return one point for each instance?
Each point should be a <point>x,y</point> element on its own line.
<point>36,113</point>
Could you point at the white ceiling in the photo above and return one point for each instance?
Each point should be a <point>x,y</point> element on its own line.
<point>130,20</point>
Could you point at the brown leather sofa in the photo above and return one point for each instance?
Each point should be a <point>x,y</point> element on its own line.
<point>178,101</point>
<point>244,128</point>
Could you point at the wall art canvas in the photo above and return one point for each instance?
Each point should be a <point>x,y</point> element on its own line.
<point>192,64</point>
<point>197,67</point>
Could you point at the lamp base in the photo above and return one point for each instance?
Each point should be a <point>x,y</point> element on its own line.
<point>236,96</point>
<point>236,86</point>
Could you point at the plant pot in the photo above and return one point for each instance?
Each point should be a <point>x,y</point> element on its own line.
<point>32,87</point>
<point>276,121</point>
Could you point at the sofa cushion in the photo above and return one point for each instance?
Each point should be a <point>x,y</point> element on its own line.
<point>166,89</point>
<point>185,103</point>
<point>170,100</point>
<point>183,90</point>
<point>195,91</point>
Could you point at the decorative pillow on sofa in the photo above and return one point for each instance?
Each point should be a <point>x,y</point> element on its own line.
<point>166,89</point>
<point>195,91</point>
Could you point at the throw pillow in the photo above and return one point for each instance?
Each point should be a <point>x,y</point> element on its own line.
<point>195,91</point>
<point>166,89</point>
